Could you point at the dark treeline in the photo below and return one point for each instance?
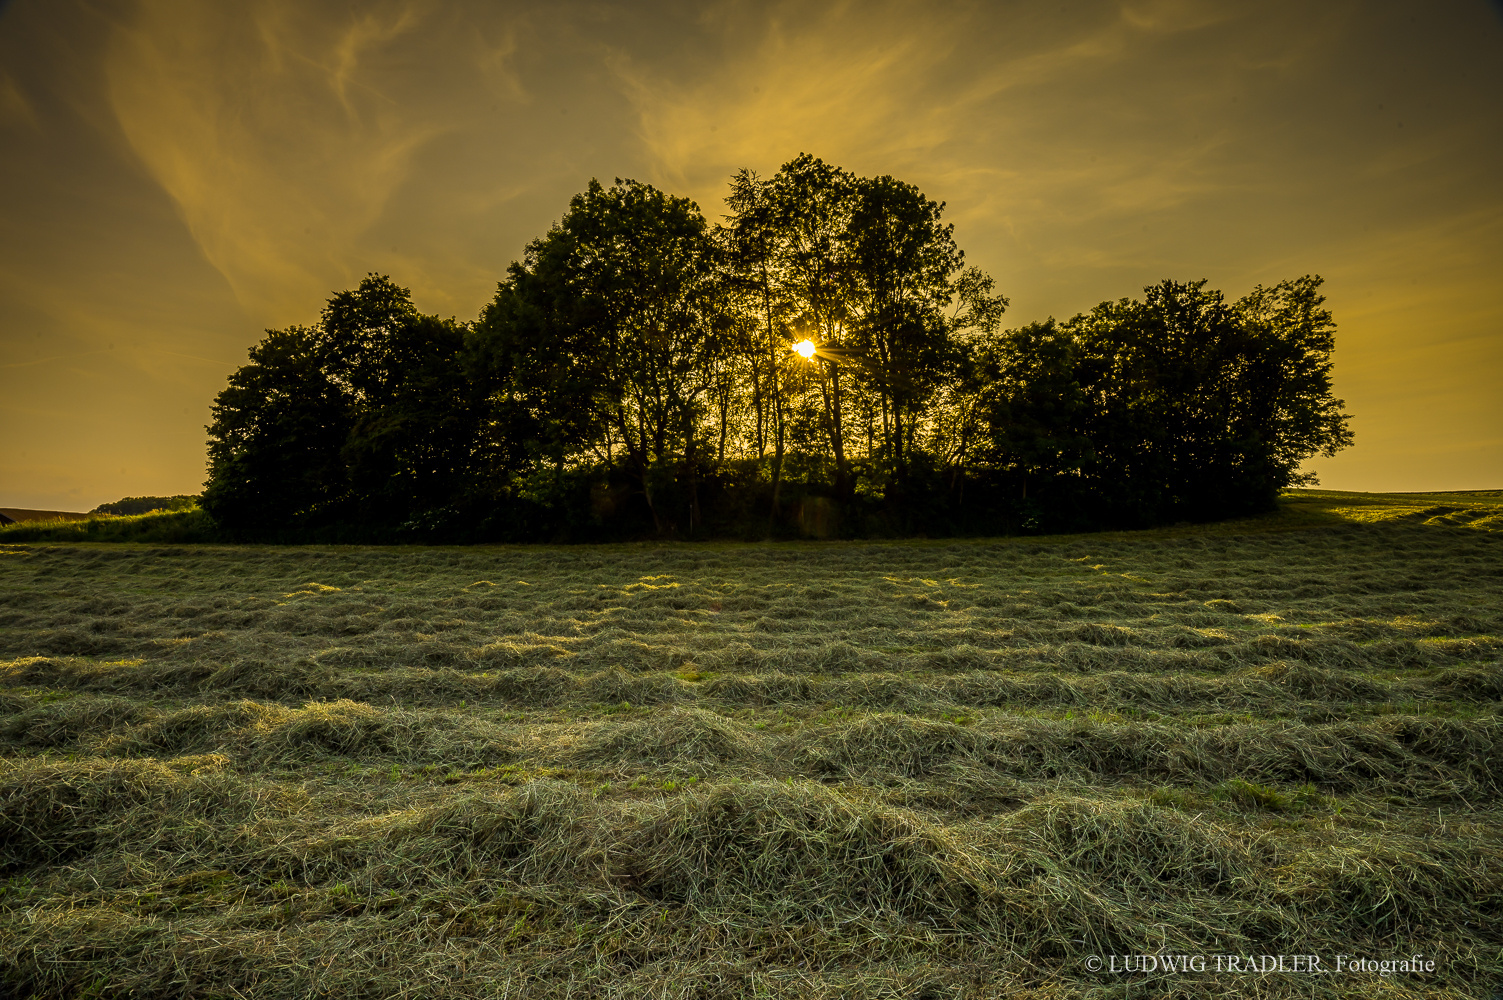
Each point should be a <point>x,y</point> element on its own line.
<point>638,375</point>
<point>129,506</point>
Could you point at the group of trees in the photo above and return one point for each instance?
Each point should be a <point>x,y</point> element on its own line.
<point>637,373</point>
<point>129,506</point>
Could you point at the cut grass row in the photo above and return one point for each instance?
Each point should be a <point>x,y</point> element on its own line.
<point>908,770</point>
<point>1426,759</point>
<point>551,882</point>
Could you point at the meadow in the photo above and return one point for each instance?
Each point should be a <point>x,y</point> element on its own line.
<point>925,769</point>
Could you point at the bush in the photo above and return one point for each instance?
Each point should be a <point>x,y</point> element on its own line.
<point>180,526</point>
<point>128,506</point>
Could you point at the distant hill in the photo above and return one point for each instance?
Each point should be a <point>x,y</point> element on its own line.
<point>14,515</point>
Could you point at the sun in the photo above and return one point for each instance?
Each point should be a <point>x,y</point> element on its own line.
<point>805,349</point>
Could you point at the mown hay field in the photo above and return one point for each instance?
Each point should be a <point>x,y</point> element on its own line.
<point>919,769</point>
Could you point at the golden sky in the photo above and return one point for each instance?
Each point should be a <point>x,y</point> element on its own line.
<point>180,175</point>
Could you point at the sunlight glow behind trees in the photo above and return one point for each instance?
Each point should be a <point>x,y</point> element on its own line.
<point>632,376</point>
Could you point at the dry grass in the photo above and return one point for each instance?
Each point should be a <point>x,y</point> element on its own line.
<point>898,770</point>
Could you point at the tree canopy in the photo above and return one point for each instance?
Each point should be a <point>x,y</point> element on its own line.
<point>634,375</point>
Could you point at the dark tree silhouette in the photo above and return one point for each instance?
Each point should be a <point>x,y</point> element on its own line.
<point>1034,404</point>
<point>1178,404</point>
<point>607,335</point>
<point>811,203</point>
<point>276,437</point>
<point>635,375</point>
<point>366,416</point>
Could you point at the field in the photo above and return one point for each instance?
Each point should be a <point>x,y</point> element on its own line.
<point>921,769</point>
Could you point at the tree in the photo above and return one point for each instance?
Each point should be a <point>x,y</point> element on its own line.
<point>907,271</point>
<point>605,337</point>
<point>809,206</point>
<point>753,273</point>
<point>1032,400</point>
<point>1290,406</point>
<point>411,449</point>
<point>1178,404</point>
<point>1164,375</point>
<point>365,416</point>
<point>865,268</point>
<point>128,506</point>
<point>277,432</point>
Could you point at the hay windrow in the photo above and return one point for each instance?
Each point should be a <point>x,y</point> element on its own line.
<point>899,770</point>
<point>51,813</point>
<point>687,737</point>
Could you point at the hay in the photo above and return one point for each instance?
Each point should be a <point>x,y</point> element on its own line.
<point>676,736</point>
<point>908,770</point>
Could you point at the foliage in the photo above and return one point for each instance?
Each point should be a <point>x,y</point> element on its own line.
<point>1206,406</point>
<point>604,340</point>
<point>1178,405</point>
<point>146,505</point>
<point>634,376</point>
<point>367,416</point>
<point>158,527</point>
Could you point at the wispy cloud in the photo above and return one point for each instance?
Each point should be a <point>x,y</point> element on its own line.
<point>54,357</point>
<point>15,109</point>
<point>850,83</point>
<point>1015,120</point>
<point>282,130</point>
<point>1084,148</point>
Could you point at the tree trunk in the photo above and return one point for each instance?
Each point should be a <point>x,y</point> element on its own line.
<point>725,406</point>
<point>690,460</point>
<point>833,409</point>
<point>777,408</point>
<point>640,461</point>
<point>759,404</point>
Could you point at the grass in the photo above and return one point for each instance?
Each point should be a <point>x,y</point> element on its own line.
<point>922,769</point>
<point>158,527</point>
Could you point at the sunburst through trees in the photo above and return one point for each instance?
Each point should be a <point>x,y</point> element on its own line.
<point>823,362</point>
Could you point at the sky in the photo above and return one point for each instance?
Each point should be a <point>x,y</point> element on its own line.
<point>178,177</point>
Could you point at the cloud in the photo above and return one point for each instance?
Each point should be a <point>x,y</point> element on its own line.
<point>15,109</point>
<point>1175,15</point>
<point>797,84</point>
<point>1014,120</point>
<point>281,130</point>
<point>871,87</point>
<point>1084,148</point>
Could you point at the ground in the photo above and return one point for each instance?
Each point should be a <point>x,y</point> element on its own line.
<point>920,769</point>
